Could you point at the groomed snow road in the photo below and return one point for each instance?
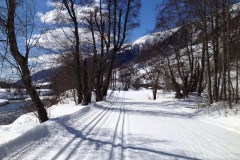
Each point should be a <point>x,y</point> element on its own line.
<point>127,126</point>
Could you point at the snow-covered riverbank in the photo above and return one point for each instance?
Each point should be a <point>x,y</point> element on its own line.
<point>3,102</point>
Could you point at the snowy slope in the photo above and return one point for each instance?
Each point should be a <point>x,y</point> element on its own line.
<point>127,126</point>
<point>154,38</point>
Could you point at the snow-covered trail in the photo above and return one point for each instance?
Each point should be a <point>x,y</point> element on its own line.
<point>126,127</point>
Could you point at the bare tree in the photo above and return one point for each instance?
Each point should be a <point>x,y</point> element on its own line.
<point>216,25</point>
<point>154,71</point>
<point>72,43</point>
<point>112,23</point>
<point>126,76</point>
<point>206,49</point>
<point>181,46</point>
<point>21,57</point>
<point>69,5</point>
<point>237,61</point>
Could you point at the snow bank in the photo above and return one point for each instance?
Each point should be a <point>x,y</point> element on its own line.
<point>231,123</point>
<point>28,121</point>
<point>220,115</point>
<point>18,127</point>
<point>30,136</point>
<point>3,102</point>
<point>31,131</point>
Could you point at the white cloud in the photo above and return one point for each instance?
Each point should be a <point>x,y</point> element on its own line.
<point>50,3</point>
<point>59,13</point>
<point>44,62</point>
<point>62,38</point>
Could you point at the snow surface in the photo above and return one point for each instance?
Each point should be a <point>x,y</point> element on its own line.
<point>3,102</point>
<point>129,125</point>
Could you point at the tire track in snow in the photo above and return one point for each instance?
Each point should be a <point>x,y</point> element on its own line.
<point>112,114</point>
<point>119,132</point>
<point>90,137</point>
<point>96,140</point>
<point>27,150</point>
<point>123,126</point>
<point>61,132</point>
<point>95,121</point>
<point>83,146</point>
<point>127,131</point>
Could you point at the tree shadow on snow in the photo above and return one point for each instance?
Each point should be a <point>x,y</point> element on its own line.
<point>137,150</point>
<point>144,111</point>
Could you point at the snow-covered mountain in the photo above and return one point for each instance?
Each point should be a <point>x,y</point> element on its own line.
<point>154,38</point>
<point>135,49</point>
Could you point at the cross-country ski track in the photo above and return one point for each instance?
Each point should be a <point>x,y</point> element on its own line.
<point>125,127</point>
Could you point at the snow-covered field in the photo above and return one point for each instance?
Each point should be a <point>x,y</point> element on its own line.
<point>129,125</point>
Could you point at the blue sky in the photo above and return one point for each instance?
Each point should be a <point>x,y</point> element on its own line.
<point>147,16</point>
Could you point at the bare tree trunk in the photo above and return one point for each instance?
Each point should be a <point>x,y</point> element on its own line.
<point>210,99</point>
<point>155,85</point>
<point>69,5</point>
<point>86,94</point>
<point>23,62</point>
<point>215,43</point>
<point>173,80</point>
<point>237,63</point>
<point>200,83</point>
<point>209,85</point>
<point>94,58</point>
<point>228,55</point>
<point>224,54</point>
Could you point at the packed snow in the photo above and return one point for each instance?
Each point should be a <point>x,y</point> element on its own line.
<point>128,125</point>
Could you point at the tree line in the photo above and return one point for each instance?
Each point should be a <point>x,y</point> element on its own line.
<point>203,50</point>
